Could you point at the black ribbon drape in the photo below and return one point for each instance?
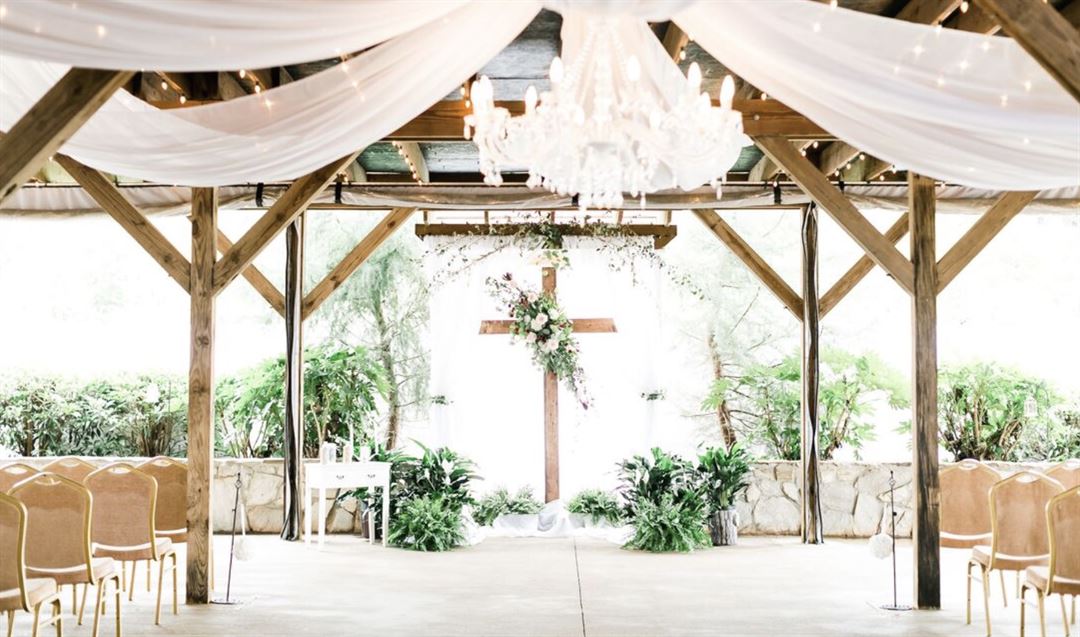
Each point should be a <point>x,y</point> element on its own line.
<point>812,527</point>
<point>294,377</point>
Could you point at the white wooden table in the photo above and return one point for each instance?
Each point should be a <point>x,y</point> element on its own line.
<point>345,475</point>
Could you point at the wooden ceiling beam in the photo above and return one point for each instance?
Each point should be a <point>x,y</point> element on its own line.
<point>444,121</point>
<point>974,20</point>
<point>51,121</point>
<point>817,186</point>
<point>753,261</point>
<point>980,234</point>
<point>256,278</point>
<point>1045,34</point>
<point>927,11</point>
<point>675,40</point>
<point>859,270</point>
<point>108,196</point>
<point>290,205</point>
<point>355,258</point>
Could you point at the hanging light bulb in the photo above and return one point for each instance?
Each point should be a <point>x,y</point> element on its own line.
<point>242,73</point>
<point>693,77</point>
<point>727,92</point>
<point>556,71</point>
<point>530,100</point>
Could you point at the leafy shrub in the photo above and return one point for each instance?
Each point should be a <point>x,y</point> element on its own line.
<point>597,505</point>
<point>372,498</point>
<point>1058,440</point>
<point>648,478</point>
<point>670,524</point>
<point>429,523</point>
<point>981,410</point>
<point>502,501</point>
<point>725,474</point>
<point>438,472</point>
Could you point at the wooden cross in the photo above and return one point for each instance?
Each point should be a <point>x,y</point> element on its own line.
<point>551,386</point>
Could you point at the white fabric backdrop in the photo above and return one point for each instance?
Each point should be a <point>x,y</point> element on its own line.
<point>925,99</point>
<point>496,412</point>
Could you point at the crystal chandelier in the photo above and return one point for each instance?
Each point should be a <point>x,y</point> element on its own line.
<point>601,132</point>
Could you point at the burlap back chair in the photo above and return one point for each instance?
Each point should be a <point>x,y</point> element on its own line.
<point>71,468</point>
<point>1062,575</point>
<point>10,474</point>
<point>965,504</point>
<point>17,590</point>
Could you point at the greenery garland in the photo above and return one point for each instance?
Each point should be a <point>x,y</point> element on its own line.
<point>538,320</point>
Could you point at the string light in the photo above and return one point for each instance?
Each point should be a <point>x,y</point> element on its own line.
<point>985,46</point>
<point>918,50</point>
<point>963,65</point>
<point>764,96</point>
<point>964,6</point>
<point>101,30</point>
<point>164,85</point>
<point>1027,85</point>
<point>3,11</point>
<point>242,73</point>
<point>1004,101</point>
<point>183,99</point>
<point>682,54</point>
<point>803,152</point>
<point>817,27</point>
<point>833,4</point>
<point>816,144</point>
<point>258,89</point>
<point>862,156</point>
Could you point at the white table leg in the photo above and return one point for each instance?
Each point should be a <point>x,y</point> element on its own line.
<point>307,517</point>
<point>322,516</point>
<point>370,525</point>
<point>385,513</point>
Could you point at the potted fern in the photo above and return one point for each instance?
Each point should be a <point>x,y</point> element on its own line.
<point>725,473</point>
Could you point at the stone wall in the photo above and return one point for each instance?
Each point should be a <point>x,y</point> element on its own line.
<point>854,497</point>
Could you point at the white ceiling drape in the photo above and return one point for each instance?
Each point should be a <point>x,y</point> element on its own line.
<point>923,98</point>
<point>957,106</point>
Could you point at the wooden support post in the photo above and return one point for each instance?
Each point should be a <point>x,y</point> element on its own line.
<point>1045,34</point>
<point>924,478</point>
<point>51,121</point>
<point>294,378</point>
<point>812,525</point>
<point>201,395</point>
<point>551,414</point>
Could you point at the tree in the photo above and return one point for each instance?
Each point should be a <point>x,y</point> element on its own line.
<point>384,306</point>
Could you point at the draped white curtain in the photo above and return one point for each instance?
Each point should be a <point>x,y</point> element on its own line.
<point>957,106</point>
<point>495,393</point>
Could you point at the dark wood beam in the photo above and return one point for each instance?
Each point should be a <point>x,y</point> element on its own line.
<point>112,201</point>
<point>1045,34</point>
<point>675,40</point>
<point>293,447</point>
<point>200,447</point>
<point>52,121</point>
<point>355,258</point>
<point>753,261</point>
<point>927,11</point>
<point>290,205</point>
<point>443,121</point>
<point>825,194</point>
<point>858,272</point>
<point>980,234</point>
<point>924,480</point>
<point>663,234</point>
<point>810,456</point>
<point>257,279</point>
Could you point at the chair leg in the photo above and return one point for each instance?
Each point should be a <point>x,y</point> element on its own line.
<point>160,584</point>
<point>1064,615</point>
<point>119,598</point>
<point>58,619</point>
<point>968,622</point>
<point>99,598</point>
<point>131,586</point>
<point>175,594</point>
<point>1023,608</point>
<point>123,571</point>
<point>74,600</point>
<point>986,598</point>
<point>37,621</point>
<point>1004,595</point>
<point>1042,614</point>
<point>10,623</point>
<point>82,607</point>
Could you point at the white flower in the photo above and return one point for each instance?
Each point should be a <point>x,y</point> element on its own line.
<point>539,322</point>
<point>530,338</point>
<point>532,297</point>
<point>551,344</point>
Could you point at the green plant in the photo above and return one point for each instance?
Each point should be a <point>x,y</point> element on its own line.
<point>981,410</point>
<point>649,478</point>
<point>437,472</point>
<point>373,498</point>
<point>597,505</point>
<point>670,524</point>
<point>725,473</point>
<point>429,523</point>
<point>501,501</point>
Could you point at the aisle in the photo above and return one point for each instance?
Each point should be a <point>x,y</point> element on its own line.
<point>563,588</point>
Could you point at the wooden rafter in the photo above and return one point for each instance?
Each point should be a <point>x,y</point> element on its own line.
<point>980,234</point>
<point>256,278</point>
<point>51,121</point>
<point>927,11</point>
<point>817,186</point>
<point>858,272</point>
<point>414,158</point>
<point>442,122</point>
<point>675,40</point>
<point>753,261</point>
<point>1045,34</point>
<point>109,197</point>
<point>290,205</point>
<point>355,258</point>
<point>662,234</point>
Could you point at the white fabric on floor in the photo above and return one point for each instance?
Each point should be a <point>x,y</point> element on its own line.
<point>958,106</point>
<point>552,521</point>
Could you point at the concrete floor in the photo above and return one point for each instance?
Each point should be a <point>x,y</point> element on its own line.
<point>556,587</point>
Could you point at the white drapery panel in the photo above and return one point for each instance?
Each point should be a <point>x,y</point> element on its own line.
<point>206,35</point>
<point>285,132</point>
<point>957,106</point>
<point>929,100</point>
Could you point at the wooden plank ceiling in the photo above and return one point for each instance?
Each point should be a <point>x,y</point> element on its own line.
<point>429,149</point>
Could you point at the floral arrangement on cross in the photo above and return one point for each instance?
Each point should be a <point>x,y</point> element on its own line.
<point>537,319</point>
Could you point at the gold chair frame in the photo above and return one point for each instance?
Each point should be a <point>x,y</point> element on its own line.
<point>53,600</point>
<point>65,465</point>
<point>1051,574</point>
<point>950,539</point>
<point>92,579</point>
<point>155,554</point>
<point>6,470</point>
<point>983,579</point>
<point>1070,466</point>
